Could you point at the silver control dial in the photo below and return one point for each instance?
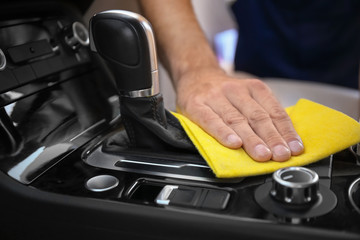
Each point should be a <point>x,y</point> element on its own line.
<point>102,183</point>
<point>78,36</point>
<point>295,185</point>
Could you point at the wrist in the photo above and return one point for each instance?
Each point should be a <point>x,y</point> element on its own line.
<point>196,68</point>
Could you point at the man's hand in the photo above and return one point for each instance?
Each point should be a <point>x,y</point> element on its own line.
<point>238,113</point>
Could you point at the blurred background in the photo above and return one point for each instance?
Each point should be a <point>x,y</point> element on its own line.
<point>220,28</point>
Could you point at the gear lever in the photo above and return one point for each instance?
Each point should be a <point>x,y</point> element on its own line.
<point>125,41</point>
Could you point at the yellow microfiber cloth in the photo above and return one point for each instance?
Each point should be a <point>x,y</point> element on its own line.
<point>324,131</point>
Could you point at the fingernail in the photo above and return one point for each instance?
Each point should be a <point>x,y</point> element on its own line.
<point>262,152</point>
<point>233,139</point>
<point>296,147</point>
<point>281,152</point>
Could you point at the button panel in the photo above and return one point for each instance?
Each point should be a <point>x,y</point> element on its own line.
<point>29,51</point>
<point>193,197</point>
<point>37,52</point>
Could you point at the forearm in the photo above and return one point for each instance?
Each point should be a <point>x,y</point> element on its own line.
<point>182,45</point>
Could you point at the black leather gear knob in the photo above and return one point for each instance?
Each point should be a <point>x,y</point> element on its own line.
<point>126,42</point>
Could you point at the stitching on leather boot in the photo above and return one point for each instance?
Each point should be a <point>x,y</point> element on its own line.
<point>130,131</point>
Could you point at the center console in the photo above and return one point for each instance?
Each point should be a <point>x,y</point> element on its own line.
<point>71,168</point>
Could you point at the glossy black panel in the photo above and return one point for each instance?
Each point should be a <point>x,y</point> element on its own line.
<point>54,99</point>
<point>55,107</point>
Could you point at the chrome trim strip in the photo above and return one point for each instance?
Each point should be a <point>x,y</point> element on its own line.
<point>154,90</point>
<point>2,60</point>
<point>88,129</point>
<point>94,156</point>
<point>162,197</point>
<point>164,165</point>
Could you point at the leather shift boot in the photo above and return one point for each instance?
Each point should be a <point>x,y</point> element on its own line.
<point>151,131</point>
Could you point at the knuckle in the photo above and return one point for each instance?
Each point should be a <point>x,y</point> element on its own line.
<point>221,131</point>
<point>193,105</point>
<point>228,84</point>
<point>233,118</point>
<point>258,116</point>
<point>213,93</point>
<point>206,116</point>
<point>232,87</point>
<point>258,84</point>
<point>277,113</point>
<point>228,87</point>
<point>197,100</point>
<point>288,134</point>
<point>212,124</point>
<point>251,140</point>
<point>273,140</point>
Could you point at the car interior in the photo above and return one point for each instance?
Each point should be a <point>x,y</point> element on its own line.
<point>85,154</point>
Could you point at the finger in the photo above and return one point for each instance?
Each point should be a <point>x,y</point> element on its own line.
<point>252,144</point>
<point>261,123</point>
<point>213,124</point>
<point>280,119</point>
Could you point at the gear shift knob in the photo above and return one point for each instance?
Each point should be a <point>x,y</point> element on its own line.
<point>126,42</point>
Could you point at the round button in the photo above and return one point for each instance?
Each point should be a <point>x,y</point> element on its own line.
<point>102,183</point>
<point>354,194</point>
<point>2,60</point>
<point>78,36</point>
<point>295,185</point>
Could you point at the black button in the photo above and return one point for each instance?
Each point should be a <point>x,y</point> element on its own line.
<point>7,80</point>
<point>46,67</point>
<point>216,199</point>
<point>24,74</point>
<point>185,196</point>
<point>199,198</point>
<point>69,61</point>
<point>29,51</point>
